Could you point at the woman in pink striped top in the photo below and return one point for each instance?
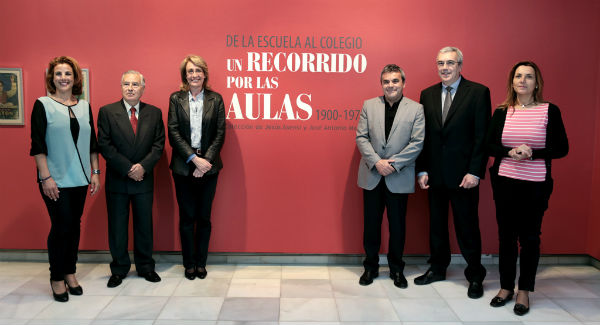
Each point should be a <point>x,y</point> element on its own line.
<point>526,133</point>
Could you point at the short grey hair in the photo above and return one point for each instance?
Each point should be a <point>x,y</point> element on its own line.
<point>453,49</point>
<point>143,81</point>
<point>392,68</point>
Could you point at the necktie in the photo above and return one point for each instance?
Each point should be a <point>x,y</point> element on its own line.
<point>447,103</point>
<point>133,120</point>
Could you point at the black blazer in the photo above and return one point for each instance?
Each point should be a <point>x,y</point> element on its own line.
<point>456,148</point>
<point>121,148</point>
<point>213,131</point>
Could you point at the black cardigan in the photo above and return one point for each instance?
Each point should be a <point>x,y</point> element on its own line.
<point>557,144</point>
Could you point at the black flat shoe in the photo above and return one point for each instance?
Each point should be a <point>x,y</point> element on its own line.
<point>521,309</point>
<point>60,297</point>
<point>367,277</point>
<point>429,277</point>
<point>475,290</point>
<point>115,280</point>
<point>201,272</point>
<point>499,301</point>
<point>190,275</point>
<point>399,280</point>
<point>76,291</point>
<point>151,276</point>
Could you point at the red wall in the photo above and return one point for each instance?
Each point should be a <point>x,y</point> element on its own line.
<point>593,232</point>
<point>295,191</point>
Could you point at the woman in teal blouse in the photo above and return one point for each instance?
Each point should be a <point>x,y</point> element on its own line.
<point>64,147</point>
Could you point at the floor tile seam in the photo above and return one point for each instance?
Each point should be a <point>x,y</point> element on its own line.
<point>388,293</point>
<point>444,299</point>
<point>587,281</point>
<point>71,319</point>
<point>316,322</point>
<point>567,311</point>
<point>436,289</point>
<point>103,308</point>
<point>41,310</point>
<point>337,308</point>
<point>280,293</point>
<point>29,318</point>
<point>221,308</point>
<point>162,309</point>
<point>393,308</point>
<point>583,287</point>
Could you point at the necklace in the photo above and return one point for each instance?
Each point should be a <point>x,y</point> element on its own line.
<point>525,105</point>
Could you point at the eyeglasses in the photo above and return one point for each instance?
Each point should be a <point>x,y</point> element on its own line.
<point>449,63</point>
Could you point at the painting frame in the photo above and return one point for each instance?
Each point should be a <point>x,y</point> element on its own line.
<point>85,90</point>
<point>11,97</point>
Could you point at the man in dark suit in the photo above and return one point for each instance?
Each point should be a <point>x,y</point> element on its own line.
<point>389,137</point>
<point>457,113</point>
<point>131,137</point>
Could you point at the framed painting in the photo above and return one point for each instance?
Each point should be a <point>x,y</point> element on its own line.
<point>11,96</point>
<point>85,74</point>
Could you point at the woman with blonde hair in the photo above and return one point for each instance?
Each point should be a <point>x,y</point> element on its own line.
<point>196,127</point>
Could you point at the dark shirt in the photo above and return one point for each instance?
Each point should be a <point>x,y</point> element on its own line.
<point>390,114</point>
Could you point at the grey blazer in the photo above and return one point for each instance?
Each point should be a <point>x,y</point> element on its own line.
<point>403,145</point>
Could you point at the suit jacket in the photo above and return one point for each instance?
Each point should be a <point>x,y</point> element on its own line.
<point>403,144</point>
<point>213,131</point>
<point>456,148</point>
<point>122,148</point>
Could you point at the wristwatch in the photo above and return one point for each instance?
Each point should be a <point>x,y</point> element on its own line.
<point>96,171</point>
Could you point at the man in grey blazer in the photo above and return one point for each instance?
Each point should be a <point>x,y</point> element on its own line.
<point>131,137</point>
<point>389,136</point>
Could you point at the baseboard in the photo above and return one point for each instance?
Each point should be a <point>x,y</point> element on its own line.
<point>279,258</point>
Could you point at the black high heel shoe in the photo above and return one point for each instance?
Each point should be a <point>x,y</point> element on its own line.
<point>60,297</point>
<point>76,291</point>
<point>499,301</point>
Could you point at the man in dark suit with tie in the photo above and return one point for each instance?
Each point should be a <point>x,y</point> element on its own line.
<point>131,137</point>
<point>389,137</point>
<point>457,113</point>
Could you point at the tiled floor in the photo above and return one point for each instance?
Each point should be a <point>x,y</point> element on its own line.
<point>290,295</point>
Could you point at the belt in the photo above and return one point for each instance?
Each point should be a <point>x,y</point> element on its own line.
<point>197,151</point>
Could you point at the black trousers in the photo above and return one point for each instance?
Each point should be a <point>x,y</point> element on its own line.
<point>375,201</point>
<point>194,197</point>
<point>520,207</point>
<point>464,203</point>
<point>63,239</point>
<point>117,205</point>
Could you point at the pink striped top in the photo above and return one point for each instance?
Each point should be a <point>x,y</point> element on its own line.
<point>525,126</point>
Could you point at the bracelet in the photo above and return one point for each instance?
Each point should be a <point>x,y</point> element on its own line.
<point>45,179</point>
<point>96,171</point>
